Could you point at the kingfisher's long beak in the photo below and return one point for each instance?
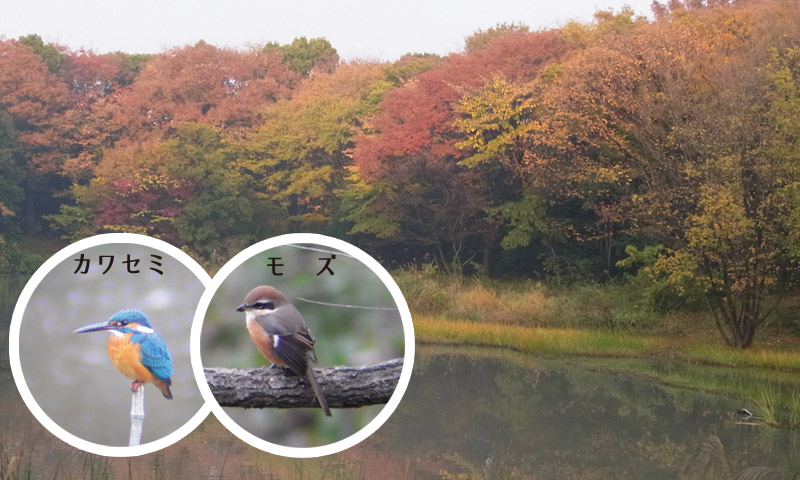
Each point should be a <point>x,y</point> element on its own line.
<point>95,327</point>
<point>241,307</point>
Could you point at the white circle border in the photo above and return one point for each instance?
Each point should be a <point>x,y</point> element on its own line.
<point>16,322</point>
<point>408,360</point>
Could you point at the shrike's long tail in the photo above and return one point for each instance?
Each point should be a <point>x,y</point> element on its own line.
<point>318,391</point>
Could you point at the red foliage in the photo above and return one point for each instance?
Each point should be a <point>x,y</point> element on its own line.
<point>87,126</point>
<point>203,83</point>
<point>149,203</point>
<point>419,115</point>
<point>89,75</point>
<point>62,122</point>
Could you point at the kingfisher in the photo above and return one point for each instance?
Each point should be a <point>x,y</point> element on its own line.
<point>136,350</point>
<point>281,335</point>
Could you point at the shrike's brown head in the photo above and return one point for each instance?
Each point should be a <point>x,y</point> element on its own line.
<point>262,300</point>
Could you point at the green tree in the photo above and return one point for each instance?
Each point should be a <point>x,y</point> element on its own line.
<point>50,53</point>
<point>220,217</point>
<point>411,65</point>
<point>11,191</point>
<point>189,190</point>
<point>11,194</point>
<point>496,122</point>
<point>423,201</point>
<point>300,156</point>
<point>304,55</point>
<point>131,65</point>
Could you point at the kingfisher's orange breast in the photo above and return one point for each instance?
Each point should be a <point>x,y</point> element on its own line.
<point>126,357</point>
<point>262,340</point>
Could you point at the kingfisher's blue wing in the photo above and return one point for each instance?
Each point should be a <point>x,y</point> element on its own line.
<point>155,356</point>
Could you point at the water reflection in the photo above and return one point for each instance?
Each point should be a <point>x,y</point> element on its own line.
<point>518,416</point>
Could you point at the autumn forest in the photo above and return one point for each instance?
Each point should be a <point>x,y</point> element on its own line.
<point>666,150</point>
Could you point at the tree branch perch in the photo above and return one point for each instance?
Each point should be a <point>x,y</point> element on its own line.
<point>344,387</point>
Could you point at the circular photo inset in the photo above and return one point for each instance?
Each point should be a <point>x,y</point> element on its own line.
<point>99,344</point>
<point>303,345</point>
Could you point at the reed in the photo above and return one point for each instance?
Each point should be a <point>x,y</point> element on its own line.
<point>766,405</point>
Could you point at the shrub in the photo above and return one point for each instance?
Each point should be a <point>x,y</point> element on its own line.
<point>661,289</point>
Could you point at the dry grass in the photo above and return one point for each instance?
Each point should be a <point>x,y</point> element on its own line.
<point>479,303</point>
<point>526,303</point>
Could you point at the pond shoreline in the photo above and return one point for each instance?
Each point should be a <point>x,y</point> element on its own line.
<point>598,343</point>
<point>764,380</point>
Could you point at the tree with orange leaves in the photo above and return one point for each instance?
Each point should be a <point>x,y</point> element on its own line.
<point>203,83</point>
<point>663,128</point>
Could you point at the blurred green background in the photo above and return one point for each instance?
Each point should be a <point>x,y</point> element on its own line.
<point>345,336</point>
<point>71,376</point>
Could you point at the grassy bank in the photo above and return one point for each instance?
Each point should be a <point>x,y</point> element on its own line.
<point>598,343</point>
<point>537,340</point>
<point>594,320</point>
<point>608,327</point>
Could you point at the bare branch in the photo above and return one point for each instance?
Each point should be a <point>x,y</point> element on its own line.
<point>344,387</point>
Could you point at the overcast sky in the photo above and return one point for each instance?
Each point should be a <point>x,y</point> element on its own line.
<point>368,29</point>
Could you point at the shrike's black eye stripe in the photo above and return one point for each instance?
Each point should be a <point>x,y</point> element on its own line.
<point>264,305</point>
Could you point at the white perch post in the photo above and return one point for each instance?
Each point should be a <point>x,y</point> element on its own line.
<point>137,416</point>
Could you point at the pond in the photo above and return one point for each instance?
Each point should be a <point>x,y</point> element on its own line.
<point>516,416</point>
<point>468,413</point>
